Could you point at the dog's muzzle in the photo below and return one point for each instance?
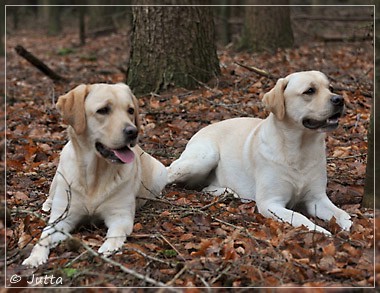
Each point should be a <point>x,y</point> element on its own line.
<point>332,122</point>
<point>122,155</point>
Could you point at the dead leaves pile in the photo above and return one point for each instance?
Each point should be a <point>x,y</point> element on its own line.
<point>187,238</point>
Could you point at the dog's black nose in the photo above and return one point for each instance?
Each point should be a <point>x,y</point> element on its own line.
<point>130,132</point>
<point>337,101</point>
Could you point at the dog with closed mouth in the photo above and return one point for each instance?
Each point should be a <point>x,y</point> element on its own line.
<point>280,161</point>
<point>102,171</point>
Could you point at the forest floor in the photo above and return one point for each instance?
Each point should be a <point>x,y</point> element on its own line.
<point>187,238</point>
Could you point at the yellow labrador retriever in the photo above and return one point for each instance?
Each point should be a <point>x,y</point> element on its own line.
<point>101,171</point>
<point>279,162</point>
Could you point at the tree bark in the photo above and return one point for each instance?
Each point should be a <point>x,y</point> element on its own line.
<point>267,28</point>
<point>373,170</point>
<point>82,25</point>
<point>100,17</point>
<point>54,25</point>
<point>369,195</point>
<point>2,50</point>
<point>171,46</point>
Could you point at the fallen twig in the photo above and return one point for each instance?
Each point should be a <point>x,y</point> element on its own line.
<point>228,107</point>
<point>220,274</point>
<point>152,258</point>
<point>347,157</point>
<point>121,267</point>
<point>171,282</point>
<point>159,235</point>
<point>20,50</point>
<point>257,71</point>
<point>216,92</point>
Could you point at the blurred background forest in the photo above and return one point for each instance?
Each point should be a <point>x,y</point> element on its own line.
<point>311,21</point>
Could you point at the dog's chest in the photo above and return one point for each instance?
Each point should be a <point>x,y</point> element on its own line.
<point>90,201</point>
<point>95,202</point>
<point>97,198</point>
<point>304,180</point>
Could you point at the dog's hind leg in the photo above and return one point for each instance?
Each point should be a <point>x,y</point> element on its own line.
<point>194,165</point>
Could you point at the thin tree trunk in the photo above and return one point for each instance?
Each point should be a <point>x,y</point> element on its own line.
<point>54,26</point>
<point>369,195</point>
<point>267,27</point>
<point>82,29</point>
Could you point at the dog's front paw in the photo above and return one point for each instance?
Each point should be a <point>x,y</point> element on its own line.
<point>171,177</point>
<point>36,259</point>
<point>47,205</point>
<point>111,245</point>
<point>343,220</point>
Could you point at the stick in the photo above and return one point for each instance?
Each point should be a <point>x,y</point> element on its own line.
<point>20,50</point>
<point>121,267</point>
<point>345,158</point>
<point>257,71</point>
<point>171,245</point>
<point>171,282</point>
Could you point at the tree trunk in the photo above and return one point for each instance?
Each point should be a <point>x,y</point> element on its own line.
<point>225,29</point>
<point>171,45</point>
<point>267,27</point>
<point>373,170</point>
<point>54,26</point>
<point>368,197</point>
<point>82,25</point>
<point>2,49</point>
<point>100,17</point>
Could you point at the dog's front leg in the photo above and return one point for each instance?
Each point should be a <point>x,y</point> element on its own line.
<point>64,217</point>
<point>119,226</point>
<point>280,213</point>
<point>53,190</point>
<point>50,237</point>
<point>322,207</point>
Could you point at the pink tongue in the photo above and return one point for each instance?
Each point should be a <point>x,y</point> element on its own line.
<point>126,156</point>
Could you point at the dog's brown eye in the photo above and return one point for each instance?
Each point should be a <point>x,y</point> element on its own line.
<point>331,88</point>
<point>104,110</point>
<point>310,91</point>
<point>131,111</point>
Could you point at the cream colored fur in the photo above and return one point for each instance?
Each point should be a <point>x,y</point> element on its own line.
<point>278,162</point>
<point>87,183</point>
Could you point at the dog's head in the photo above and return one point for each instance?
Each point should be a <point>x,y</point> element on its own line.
<point>105,117</point>
<point>305,98</point>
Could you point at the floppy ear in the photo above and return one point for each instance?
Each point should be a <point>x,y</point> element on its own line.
<point>137,116</point>
<point>274,100</point>
<point>71,106</point>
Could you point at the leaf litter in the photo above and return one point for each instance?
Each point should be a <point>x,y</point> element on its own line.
<point>188,238</point>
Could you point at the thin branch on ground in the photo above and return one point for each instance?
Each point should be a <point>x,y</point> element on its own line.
<point>258,71</point>
<point>346,157</point>
<point>126,270</point>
